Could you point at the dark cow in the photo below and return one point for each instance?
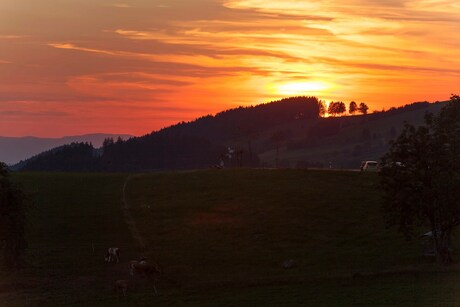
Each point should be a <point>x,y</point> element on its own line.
<point>113,254</point>
<point>122,286</point>
<point>146,269</point>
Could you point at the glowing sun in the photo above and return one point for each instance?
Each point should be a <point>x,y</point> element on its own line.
<point>302,88</point>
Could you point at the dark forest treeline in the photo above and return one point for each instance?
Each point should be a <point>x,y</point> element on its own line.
<point>158,152</point>
<point>198,144</point>
<point>398,110</point>
<point>292,124</point>
<point>239,122</point>
<point>75,157</point>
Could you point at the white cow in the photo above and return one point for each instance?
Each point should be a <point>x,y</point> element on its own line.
<point>113,254</point>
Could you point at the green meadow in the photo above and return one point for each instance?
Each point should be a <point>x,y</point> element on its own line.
<point>222,238</point>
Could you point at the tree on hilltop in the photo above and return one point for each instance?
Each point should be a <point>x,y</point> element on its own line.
<point>352,108</point>
<point>363,108</point>
<point>336,108</point>
<point>420,177</point>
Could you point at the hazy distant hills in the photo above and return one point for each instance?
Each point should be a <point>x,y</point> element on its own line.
<point>287,133</point>
<point>15,149</point>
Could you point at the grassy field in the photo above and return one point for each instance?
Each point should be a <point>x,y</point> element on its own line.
<point>221,238</point>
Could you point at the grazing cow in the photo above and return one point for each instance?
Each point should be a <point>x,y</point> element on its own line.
<point>122,286</point>
<point>146,269</point>
<point>113,254</point>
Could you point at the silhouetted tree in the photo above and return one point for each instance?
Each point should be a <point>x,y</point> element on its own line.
<point>341,107</point>
<point>352,108</point>
<point>363,108</point>
<point>13,208</point>
<point>336,108</point>
<point>421,175</point>
<point>107,143</point>
<point>331,108</point>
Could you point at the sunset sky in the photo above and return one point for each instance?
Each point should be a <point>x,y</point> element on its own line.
<point>71,67</point>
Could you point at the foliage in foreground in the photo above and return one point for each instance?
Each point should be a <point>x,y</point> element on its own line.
<point>420,176</point>
<point>12,220</point>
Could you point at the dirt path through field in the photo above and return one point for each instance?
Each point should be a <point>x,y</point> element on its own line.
<point>140,242</point>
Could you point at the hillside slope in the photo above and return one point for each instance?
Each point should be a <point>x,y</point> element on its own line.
<point>341,142</point>
<point>197,144</point>
<point>15,149</point>
<point>288,133</point>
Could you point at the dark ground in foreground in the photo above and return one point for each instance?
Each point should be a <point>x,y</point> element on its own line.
<point>221,238</point>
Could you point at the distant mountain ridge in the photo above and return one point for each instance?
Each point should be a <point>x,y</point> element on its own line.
<point>286,133</point>
<point>15,149</point>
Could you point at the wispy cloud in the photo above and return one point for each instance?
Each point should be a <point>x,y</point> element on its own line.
<point>74,47</point>
<point>143,64</point>
<point>121,5</point>
<point>5,37</point>
<point>33,114</point>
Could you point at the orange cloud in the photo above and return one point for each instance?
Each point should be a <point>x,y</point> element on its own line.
<point>132,67</point>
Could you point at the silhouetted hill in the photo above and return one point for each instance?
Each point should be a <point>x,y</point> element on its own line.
<point>15,149</point>
<point>341,142</point>
<point>285,133</point>
<point>235,123</point>
<point>74,157</point>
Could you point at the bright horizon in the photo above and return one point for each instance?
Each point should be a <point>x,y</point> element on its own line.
<point>134,66</point>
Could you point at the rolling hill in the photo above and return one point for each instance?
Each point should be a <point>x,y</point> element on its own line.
<point>341,142</point>
<point>288,133</point>
<point>15,149</point>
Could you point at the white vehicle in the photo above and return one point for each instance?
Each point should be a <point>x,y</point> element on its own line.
<point>369,166</point>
